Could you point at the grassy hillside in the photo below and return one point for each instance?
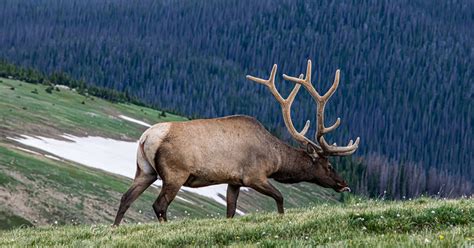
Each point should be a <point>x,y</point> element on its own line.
<point>30,107</point>
<point>446,223</point>
<point>36,190</point>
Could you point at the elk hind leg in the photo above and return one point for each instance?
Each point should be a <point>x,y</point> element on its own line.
<point>141,182</point>
<point>166,196</point>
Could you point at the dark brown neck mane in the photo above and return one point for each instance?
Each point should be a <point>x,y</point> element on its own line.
<point>296,165</point>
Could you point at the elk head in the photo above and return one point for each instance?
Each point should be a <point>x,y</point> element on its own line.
<point>319,150</point>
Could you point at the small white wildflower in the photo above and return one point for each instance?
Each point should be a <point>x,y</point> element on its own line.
<point>140,211</point>
<point>139,223</point>
<point>55,222</point>
<point>329,238</point>
<point>364,228</point>
<point>276,236</point>
<point>398,215</point>
<point>427,241</point>
<point>381,217</point>
<point>432,211</point>
<point>306,237</point>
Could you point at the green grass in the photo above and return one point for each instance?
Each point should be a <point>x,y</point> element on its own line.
<point>365,223</point>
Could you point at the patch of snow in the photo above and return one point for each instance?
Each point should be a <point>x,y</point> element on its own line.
<point>52,157</point>
<point>185,200</point>
<point>115,156</point>
<point>214,192</point>
<point>62,87</point>
<point>134,120</point>
<point>27,150</point>
<point>107,154</point>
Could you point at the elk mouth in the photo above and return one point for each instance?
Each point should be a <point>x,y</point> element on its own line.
<point>344,189</point>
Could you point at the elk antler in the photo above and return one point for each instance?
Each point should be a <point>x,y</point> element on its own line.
<point>321,101</point>
<point>286,107</point>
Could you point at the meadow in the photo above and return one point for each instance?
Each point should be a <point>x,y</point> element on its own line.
<point>356,223</point>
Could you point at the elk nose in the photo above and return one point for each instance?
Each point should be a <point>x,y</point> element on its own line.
<point>343,184</point>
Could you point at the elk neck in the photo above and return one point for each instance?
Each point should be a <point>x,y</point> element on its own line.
<point>296,166</point>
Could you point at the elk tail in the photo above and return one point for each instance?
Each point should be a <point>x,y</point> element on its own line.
<point>142,160</point>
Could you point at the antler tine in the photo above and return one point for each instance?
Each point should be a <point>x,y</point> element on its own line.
<point>334,86</point>
<point>305,82</point>
<point>286,107</point>
<point>339,151</point>
<point>270,83</point>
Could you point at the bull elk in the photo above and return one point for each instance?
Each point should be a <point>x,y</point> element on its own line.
<point>238,151</point>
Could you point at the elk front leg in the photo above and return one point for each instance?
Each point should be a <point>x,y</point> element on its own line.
<point>232,195</point>
<point>266,188</point>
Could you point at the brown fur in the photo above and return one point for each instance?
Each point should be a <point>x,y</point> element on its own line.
<point>235,150</point>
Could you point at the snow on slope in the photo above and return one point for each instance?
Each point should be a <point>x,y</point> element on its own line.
<point>134,120</point>
<point>111,155</point>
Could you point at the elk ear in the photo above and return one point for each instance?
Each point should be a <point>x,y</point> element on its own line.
<point>311,151</point>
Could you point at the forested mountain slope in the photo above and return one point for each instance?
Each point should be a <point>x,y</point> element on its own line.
<point>407,66</point>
